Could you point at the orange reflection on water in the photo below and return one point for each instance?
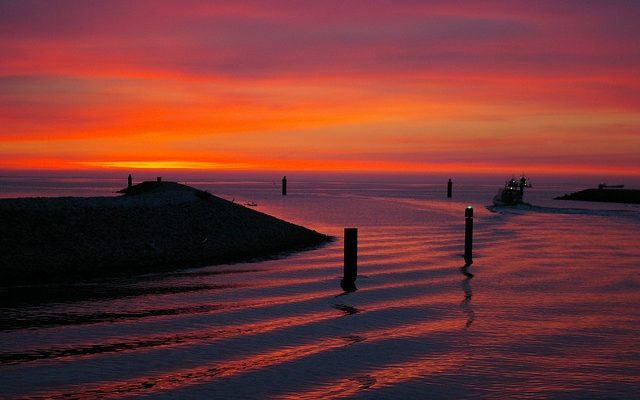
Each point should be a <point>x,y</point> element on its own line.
<point>389,375</point>
<point>207,372</point>
<point>223,332</point>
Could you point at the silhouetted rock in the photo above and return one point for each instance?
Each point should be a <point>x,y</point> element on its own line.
<point>605,195</point>
<point>155,226</point>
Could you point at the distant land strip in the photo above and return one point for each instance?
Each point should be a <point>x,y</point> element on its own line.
<point>631,196</point>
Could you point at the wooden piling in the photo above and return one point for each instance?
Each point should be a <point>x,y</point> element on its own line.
<point>449,188</point>
<point>350,254</point>
<point>129,181</point>
<point>284,185</point>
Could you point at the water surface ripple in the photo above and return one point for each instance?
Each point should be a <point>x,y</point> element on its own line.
<point>549,309</point>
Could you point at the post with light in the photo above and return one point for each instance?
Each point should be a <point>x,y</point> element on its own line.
<point>468,234</point>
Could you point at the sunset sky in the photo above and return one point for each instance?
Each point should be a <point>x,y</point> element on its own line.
<point>417,86</point>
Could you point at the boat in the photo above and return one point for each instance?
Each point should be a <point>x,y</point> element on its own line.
<point>512,192</point>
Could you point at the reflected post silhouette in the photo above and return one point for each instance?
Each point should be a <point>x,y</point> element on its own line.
<point>465,305</point>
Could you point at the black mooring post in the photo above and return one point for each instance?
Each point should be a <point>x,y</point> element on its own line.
<point>129,181</point>
<point>449,187</point>
<point>350,254</point>
<point>284,185</point>
<point>468,235</point>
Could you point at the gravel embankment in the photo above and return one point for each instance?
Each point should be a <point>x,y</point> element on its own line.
<point>157,226</point>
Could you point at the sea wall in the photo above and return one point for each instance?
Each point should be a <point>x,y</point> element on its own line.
<point>165,226</point>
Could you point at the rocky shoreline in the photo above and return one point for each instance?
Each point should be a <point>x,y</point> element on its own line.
<point>154,226</point>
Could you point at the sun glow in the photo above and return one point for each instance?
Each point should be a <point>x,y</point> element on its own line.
<point>162,165</point>
<point>408,87</point>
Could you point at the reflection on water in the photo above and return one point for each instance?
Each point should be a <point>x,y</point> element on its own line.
<point>70,293</point>
<point>348,285</point>
<point>549,287</point>
<point>347,310</point>
<point>465,305</point>
<point>465,271</point>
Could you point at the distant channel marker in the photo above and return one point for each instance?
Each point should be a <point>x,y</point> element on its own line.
<point>154,226</point>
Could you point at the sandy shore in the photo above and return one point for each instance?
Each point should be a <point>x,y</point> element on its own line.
<point>157,226</point>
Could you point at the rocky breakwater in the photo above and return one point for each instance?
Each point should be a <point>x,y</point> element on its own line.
<point>153,226</point>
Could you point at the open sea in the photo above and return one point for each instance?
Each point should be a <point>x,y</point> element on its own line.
<point>552,310</point>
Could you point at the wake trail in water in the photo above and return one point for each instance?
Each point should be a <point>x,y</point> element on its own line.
<point>524,208</point>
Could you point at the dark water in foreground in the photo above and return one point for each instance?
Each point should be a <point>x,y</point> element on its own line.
<point>552,311</point>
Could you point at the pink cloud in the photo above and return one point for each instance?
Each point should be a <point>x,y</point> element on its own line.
<point>73,68</point>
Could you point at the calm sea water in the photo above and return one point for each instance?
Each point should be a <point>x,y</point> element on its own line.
<point>551,312</point>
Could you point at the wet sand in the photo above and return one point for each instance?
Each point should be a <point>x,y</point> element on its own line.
<point>157,226</point>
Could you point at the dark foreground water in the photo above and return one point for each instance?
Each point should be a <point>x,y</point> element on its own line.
<point>553,309</point>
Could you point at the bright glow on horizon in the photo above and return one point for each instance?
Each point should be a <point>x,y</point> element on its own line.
<point>160,165</point>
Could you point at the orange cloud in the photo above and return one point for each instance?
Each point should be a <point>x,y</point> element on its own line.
<point>401,87</point>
